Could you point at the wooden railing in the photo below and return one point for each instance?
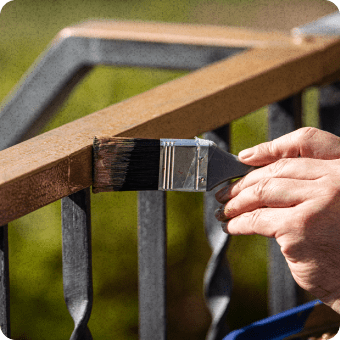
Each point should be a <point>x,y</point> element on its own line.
<point>236,72</point>
<point>204,100</point>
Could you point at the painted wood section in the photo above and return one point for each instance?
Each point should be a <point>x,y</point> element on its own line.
<point>178,34</point>
<point>57,163</point>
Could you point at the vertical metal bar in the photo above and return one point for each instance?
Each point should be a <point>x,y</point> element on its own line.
<point>4,282</point>
<point>152,265</point>
<point>217,280</point>
<point>283,117</point>
<point>329,108</point>
<point>77,264</point>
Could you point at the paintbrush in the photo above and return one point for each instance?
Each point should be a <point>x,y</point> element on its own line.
<point>133,164</point>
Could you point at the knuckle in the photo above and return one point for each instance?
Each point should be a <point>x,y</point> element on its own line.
<point>291,248</point>
<point>260,189</point>
<point>304,136</point>
<point>305,133</point>
<point>255,217</point>
<point>273,148</point>
<point>241,183</point>
<point>270,148</point>
<point>301,225</point>
<point>276,169</point>
<point>328,188</point>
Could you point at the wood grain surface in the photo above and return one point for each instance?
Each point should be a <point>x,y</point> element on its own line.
<point>57,163</point>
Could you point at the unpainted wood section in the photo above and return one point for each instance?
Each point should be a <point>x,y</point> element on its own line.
<point>178,33</point>
<point>57,163</point>
<point>267,15</point>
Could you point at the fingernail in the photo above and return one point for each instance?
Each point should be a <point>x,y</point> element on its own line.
<point>228,211</point>
<point>219,212</point>
<point>247,153</point>
<point>224,227</point>
<point>222,192</point>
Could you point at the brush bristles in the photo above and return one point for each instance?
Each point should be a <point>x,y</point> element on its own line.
<point>125,164</point>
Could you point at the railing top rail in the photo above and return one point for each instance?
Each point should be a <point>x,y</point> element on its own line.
<point>57,163</point>
<point>77,49</point>
<point>172,33</point>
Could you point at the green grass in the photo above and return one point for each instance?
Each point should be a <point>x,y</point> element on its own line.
<point>37,307</point>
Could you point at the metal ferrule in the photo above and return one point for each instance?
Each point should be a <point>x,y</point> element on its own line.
<point>184,164</point>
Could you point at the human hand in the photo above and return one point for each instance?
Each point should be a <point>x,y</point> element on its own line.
<point>297,201</point>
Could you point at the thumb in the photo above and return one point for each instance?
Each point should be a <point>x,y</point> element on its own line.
<point>305,142</point>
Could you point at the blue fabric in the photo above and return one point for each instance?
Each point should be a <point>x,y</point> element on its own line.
<point>276,327</point>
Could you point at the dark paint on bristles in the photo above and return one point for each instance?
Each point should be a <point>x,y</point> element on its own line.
<point>125,164</point>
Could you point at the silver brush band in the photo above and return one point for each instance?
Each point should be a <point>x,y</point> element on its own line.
<point>184,164</point>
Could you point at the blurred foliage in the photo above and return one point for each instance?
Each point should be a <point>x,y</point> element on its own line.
<point>37,307</point>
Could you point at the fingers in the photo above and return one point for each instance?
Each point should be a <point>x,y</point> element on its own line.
<point>265,221</point>
<point>305,142</point>
<point>299,168</point>
<point>272,192</point>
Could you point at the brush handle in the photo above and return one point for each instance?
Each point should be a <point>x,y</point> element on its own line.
<point>223,166</point>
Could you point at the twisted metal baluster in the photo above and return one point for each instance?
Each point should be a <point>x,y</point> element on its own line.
<point>77,264</point>
<point>217,280</point>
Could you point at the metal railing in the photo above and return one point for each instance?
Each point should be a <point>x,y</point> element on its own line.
<point>237,72</point>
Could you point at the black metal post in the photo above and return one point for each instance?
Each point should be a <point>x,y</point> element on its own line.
<point>217,280</point>
<point>4,282</point>
<point>283,117</point>
<point>329,108</point>
<point>77,264</point>
<point>152,265</point>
